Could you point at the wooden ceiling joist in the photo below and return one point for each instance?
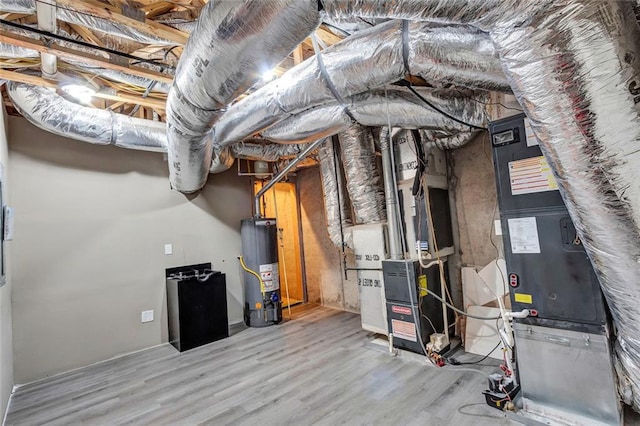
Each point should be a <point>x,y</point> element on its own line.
<point>116,97</point>
<point>155,9</point>
<point>325,35</point>
<point>114,14</point>
<point>87,34</point>
<point>75,55</point>
<point>298,55</point>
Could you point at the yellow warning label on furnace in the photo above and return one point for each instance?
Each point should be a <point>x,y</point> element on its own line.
<point>523,298</point>
<point>422,285</point>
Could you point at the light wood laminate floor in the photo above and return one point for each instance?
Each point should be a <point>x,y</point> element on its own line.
<point>317,368</point>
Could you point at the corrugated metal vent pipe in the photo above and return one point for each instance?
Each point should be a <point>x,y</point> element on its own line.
<point>390,195</point>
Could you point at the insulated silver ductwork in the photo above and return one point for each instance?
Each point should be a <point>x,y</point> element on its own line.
<point>265,152</point>
<point>68,14</point>
<point>9,51</point>
<point>222,161</point>
<point>18,6</point>
<point>436,139</point>
<point>122,77</point>
<point>362,173</point>
<point>441,54</point>
<point>578,82</point>
<point>233,44</point>
<point>348,26</point>
<point>49,111</point>
<point>336,202</point>
<point>481,13</point>
<point>396,106</point>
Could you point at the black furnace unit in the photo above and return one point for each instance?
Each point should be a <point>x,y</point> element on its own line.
<point>563,349</point>
<point>406,285</point>
<point>548,268</point>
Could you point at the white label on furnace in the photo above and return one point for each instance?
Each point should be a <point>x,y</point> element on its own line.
<point>523,233</point>
<point>404,330</point>
<point>531,175</point>
<point>270,276</point>
<point>532,140</point>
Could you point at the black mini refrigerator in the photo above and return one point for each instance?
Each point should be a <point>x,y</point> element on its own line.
<point>196,306</point>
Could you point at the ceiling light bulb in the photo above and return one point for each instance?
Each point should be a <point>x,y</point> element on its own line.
<point>268,76</point>
<point>79,92</point>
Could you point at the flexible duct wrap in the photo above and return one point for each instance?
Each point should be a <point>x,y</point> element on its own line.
<point>397,106</point>
<point>68,14</point>
<point>442,140</point>
<point>266,152</point>
<point>233,44</point>
<point>9,51</point>
<point>49,111</point>
<point>336,203</point>
<point>442,54</point>
<point>482,13</point>
<point>18,6</point>
<point>362,174</point>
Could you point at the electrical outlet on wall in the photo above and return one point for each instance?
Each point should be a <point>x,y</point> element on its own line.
<point>168,249</point>
<point>147,316</point>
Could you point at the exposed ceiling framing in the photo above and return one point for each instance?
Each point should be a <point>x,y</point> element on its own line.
<point>149,16</point>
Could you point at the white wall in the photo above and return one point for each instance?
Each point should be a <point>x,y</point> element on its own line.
<point>6,344</point>
<point>88,252</point>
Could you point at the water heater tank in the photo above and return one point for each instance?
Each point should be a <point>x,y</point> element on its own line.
<point>262,305</point>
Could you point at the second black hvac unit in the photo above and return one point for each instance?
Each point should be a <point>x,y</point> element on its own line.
<point>549,270</point>
<point>563,349</point>
<point>409,308</point>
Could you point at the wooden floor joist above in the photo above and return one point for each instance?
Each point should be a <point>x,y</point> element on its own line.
<point>76,55</point>
<point>115,96</point>
<point>114,14</point>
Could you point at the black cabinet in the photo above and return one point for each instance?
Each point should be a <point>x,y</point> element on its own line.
<point>196,306</point>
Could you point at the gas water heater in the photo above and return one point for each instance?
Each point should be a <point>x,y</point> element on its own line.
<point>262,303</point>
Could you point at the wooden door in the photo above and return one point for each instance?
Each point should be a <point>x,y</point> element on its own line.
<point>281,202</point>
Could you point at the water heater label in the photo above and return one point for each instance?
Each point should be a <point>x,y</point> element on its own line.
<point>531,175</point>
<point>403,330</point>
<point>523,234</point>
<point>270,276</point>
